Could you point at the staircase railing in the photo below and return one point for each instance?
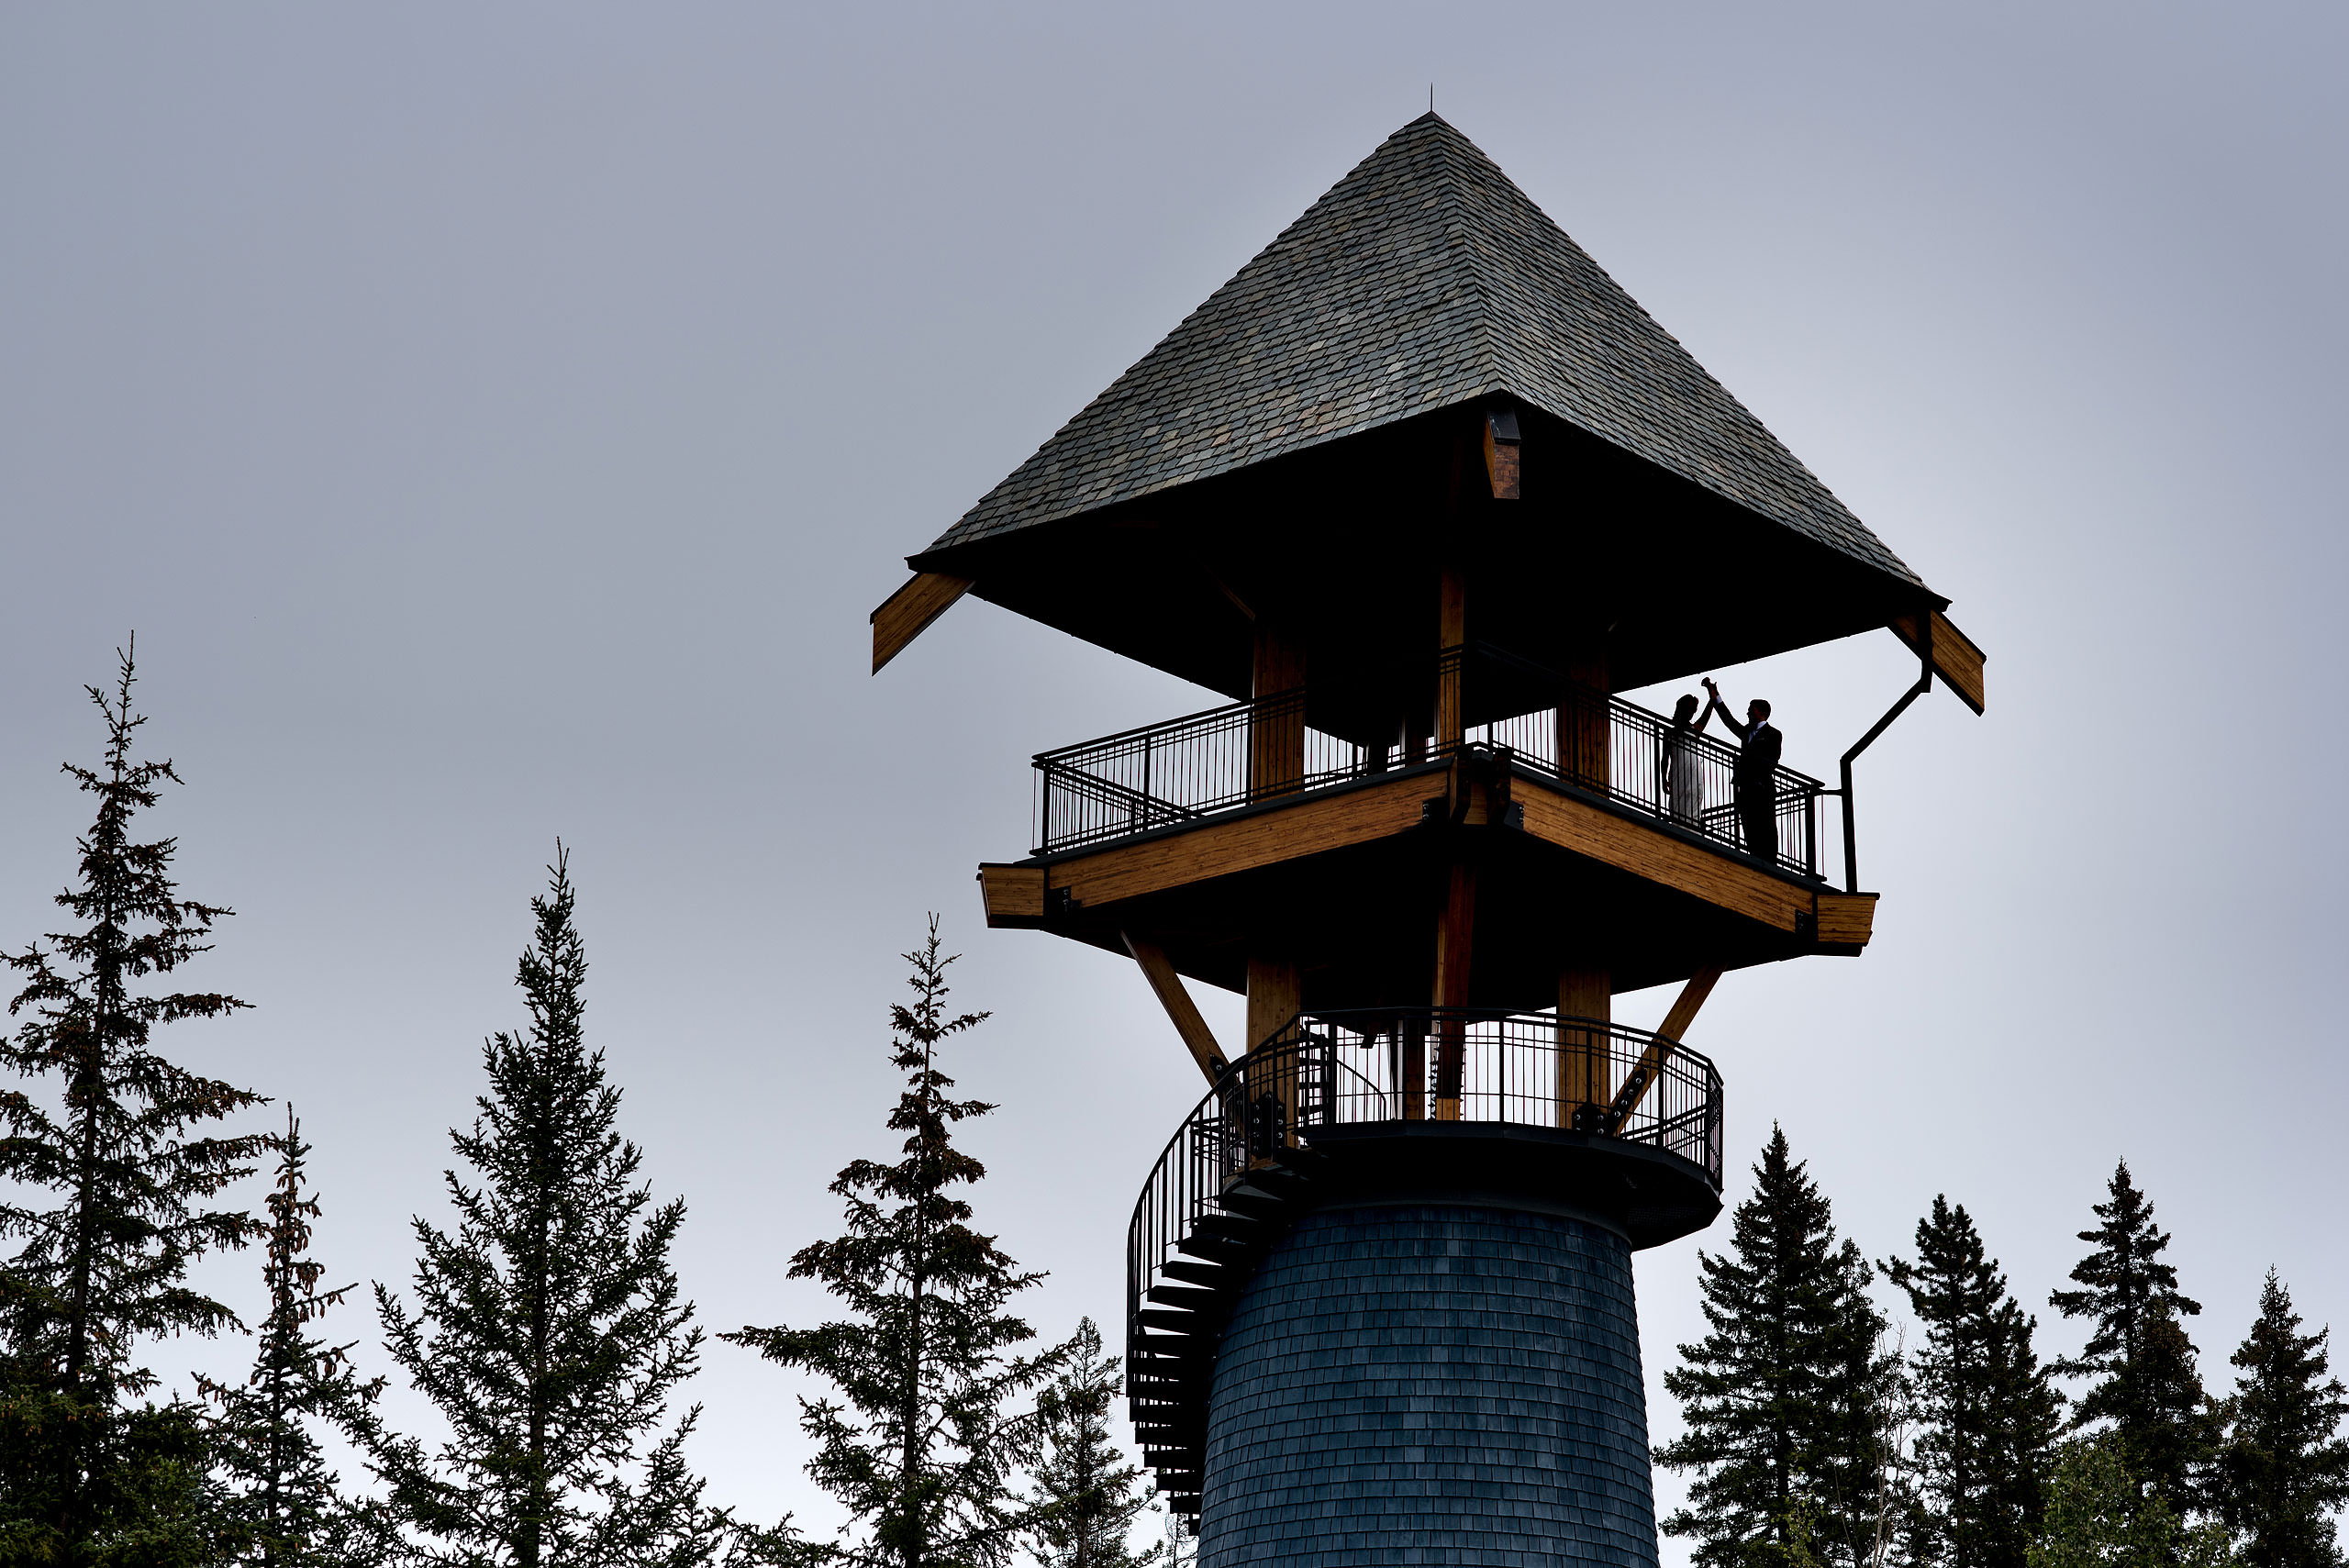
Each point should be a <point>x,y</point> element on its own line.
<point>1352,1069</point>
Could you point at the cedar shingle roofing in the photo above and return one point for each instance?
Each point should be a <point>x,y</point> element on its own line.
<point>1424,278</point>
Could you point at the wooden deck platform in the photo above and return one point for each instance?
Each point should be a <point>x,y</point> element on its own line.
<point>1352,880</point>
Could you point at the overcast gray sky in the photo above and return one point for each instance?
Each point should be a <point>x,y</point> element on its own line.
<point>496,423</point>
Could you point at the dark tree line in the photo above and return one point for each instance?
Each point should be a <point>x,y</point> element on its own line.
<point>549,1332</point>
<point>1961,1450</point>
<point>546,1328</point>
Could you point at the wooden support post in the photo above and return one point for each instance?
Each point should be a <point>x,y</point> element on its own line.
<point>1668,1036</point>
<point>1276,735</point>
<point>1455,948</point>
<point>1585,1082</point>
<point>1456,928</point>
<point>1177,999</point>
<point>1274,996</point>
<point>1584,751</point>
<point>1452,633</point>
<point>1411,1072</point>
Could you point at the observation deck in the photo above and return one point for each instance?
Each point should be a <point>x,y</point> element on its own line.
<point>1313,819</point>
<point>1618,1126</point>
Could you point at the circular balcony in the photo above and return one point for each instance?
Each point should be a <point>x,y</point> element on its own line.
<point>1564,1115</point>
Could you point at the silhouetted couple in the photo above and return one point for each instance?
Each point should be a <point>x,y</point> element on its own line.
<point>1757,762</point>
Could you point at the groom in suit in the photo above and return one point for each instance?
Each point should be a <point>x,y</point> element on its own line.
<point>1757,757</point>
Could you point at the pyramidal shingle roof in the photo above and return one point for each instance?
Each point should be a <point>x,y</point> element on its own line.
<point>1423,278</point>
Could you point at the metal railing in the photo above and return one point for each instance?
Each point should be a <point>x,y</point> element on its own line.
<point>1351,1069</point>
<point>1185,769</point>
<point>1607,746</point>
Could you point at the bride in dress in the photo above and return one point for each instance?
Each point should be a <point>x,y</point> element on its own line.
<point>1682,765</point>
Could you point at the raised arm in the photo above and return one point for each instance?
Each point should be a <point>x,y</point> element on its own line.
<point>1728,720</point>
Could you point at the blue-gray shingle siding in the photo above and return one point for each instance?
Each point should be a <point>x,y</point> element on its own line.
<point>1432,1386</point>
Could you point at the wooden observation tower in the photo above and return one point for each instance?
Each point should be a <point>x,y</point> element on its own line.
<point>1419,490</point>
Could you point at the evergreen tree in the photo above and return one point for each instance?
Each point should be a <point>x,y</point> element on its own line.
<point>2176,1432</point>
<point>108,1189</point>
<point>1987,1415</point>
<point>284,1504</point>
<point>1085,1495</point>
<point>549,1331</point>
<point>2282,1467</point>
<point>918,1447</point>
<point>2138,1357</point>
<point>2099,1515</point>
<point>1787,1399</point>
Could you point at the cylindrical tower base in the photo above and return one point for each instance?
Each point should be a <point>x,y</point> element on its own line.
<point>1432,1384</point>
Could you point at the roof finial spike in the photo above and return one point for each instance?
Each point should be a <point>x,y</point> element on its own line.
<point>1430,97</point>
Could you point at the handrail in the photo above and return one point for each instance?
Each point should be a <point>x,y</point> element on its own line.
<point>1241,754</point>
<point>1396,1065</point>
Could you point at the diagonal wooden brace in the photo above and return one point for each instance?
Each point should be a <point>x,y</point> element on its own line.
<point>1180,1009</point>
<point>1676,1024</point>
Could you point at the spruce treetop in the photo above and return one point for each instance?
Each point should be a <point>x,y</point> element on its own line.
<point>1787,1399</point>
<point>2124,1284</point>
<point>549,1331</point>
<point>2282,1469</point>
<point>1086,1491</point>
<point>2139,1360</point>
<point>1987,1414</point>
<point>283,1504</point>
<point>106,1265</point>
<point>922,1444</point>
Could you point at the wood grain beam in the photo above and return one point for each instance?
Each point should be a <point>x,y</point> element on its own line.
<point>1845,920</point>
<point>1720,878</point>
<point>1014,896</point>
<point>906,613</point>
<point>1674,1027</point>
<point>1501,444</point>
<point>1956,657</point>
<point>1585,991</point>
<point>1276,995</point>
<point>1314,824</point>
<point>1650,1066</point>
<point>1455,946</point>
<point>1451,631</point>
<point>1175,998</point>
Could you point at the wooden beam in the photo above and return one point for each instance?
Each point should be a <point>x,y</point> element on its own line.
<point>1674,1027</point>
<point>1276,995</point>
<point>1455,939</point>
<point>1651,1063</point>
<point>1014,896</point>
<point>1501,453</point>
<point>1316,823</point>
<point>1956,659</point>
<point>1276,735</point>
<point>1175,998</point>
<point>906,613</point>
<point>1719,877</point>
<point>1845,920</point>
<point>1584,992</point>
<point>1413,1043</point>
<point>1585,754</point>
<point>1451,632</point>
